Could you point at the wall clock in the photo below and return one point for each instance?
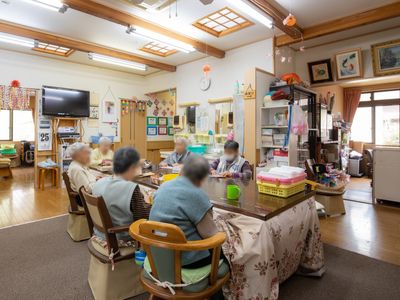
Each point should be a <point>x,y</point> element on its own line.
<point>205,83</point>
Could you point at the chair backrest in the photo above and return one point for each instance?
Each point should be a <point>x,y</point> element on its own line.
<point>252,171</point>
<point>100,218</point>
<point>72,195</point>
<point>164,243</point>
<point>85,207</point>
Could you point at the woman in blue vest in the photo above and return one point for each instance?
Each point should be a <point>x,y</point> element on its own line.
<point>123,198</point>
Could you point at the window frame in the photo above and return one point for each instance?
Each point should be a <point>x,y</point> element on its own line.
<point>11,126</point>
<point>375,103</point>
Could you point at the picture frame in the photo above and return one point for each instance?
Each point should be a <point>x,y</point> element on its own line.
<point>386,58</point>
<point>162,121</point>
<point>349,64</point>
<point>171,131</point>
<point>152,121</point>
<point>163,130</point>
<point>151,130</point>
<point>320,71</point>
<point>93,112</point>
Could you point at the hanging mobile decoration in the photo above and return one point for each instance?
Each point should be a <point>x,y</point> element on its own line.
<point>290,20</point>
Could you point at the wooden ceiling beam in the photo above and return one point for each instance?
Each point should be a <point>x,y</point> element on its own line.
<point>108,13</point>
<point>371,16</point>
<point>277,17</point>
<point>79,45</point>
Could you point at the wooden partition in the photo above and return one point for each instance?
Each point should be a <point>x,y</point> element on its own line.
<point>133,131</point>
<point>154,148</point>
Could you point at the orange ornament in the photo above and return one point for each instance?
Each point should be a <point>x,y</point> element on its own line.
<point>290,20</point>
<point>206,69</point>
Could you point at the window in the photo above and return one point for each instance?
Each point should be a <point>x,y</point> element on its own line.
<point>377,119</point>
<point>52,49</point>
<point>16,125</point>
<point>222,22</point>
<point>159,49</point>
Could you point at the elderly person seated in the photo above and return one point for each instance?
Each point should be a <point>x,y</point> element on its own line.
<point>182,202</point>
<point>103,155</point>
<point>122,196</point>
<point>179,156</point>
<point>78,171</point>
<point>231,164</point>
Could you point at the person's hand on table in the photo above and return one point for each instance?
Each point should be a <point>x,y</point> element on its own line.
<point>227,174</point>
<point>163,165</point>
<point>177,165</point>
<point>213,172</point>
<point>106,162</point>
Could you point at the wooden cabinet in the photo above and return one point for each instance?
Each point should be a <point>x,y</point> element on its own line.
<point>154,147</point>
<point>133,131</point>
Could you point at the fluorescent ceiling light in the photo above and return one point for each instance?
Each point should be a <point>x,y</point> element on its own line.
<point>16,40</point>
<point>117,61</point>
<point>55,5</point>
<point>154,36</point>
<point>251,12</point>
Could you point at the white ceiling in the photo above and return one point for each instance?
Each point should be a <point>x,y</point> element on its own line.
<point>85,27</point>
<point>311,12</point>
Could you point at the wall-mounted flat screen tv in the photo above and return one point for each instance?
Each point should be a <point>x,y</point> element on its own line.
<point>64,102</point>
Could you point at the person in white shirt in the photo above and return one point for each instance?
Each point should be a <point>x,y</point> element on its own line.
<point>78,171</point>
<point>103,155</point>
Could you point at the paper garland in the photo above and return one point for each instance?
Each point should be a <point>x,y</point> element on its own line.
<point>15,98</point>
<point>129,105</point>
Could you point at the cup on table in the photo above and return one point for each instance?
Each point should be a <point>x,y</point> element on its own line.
<point>232,192</point>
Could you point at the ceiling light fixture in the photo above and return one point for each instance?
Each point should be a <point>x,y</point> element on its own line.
<point>251,12</point>
<point>117,61</point>
<point>55,5</point>
<point>16,40</point>
<point>178,45</point>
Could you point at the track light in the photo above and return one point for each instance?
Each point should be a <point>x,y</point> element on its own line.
<point>154,36</point>
<point>16,40</point>
<point>117,61</point>
<point>251,12</point>
<point>55,5</point>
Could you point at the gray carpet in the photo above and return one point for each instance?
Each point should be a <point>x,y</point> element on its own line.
<point>40,261</point>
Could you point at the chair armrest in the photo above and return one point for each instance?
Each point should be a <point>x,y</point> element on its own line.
<point>118,229</point>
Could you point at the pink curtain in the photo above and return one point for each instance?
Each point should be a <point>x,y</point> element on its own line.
<point>351,98</point>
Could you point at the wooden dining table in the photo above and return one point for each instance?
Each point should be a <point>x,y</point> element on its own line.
<point>268,238</point>
<point>250,203</point>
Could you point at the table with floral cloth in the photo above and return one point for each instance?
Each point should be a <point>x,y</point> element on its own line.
<point>262,254</point>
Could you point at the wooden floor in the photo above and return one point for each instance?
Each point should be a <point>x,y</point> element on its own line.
<point>21,203</point>
<point>372,230</point>
<point>359,189</point>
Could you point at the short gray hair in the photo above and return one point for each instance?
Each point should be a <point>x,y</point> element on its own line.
<point>104,140</point>
<point>195,168</point>
<point>182,140</point>
<point>73,149</point>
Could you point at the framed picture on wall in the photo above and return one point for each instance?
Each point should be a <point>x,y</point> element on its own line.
<point>162,121</point>
<point>320,71</point>
<point>170,130</point>
<point>349,64</point>
<point>151,121</point>
<point>386,58</point>
<point>162,130</point>
<point>151,130</point>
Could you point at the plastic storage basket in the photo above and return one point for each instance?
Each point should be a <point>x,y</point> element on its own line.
<point>283,191</point>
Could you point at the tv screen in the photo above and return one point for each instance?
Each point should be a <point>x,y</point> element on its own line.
<point>191,114</point>
<point>65,102</point>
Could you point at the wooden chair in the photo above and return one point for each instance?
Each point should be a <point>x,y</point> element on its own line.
<point>5,168</point>
<point>113,273</point>
<point>54,171</point>
<point>252,171</point>
<point>77,226</point>
<point>163,244</point>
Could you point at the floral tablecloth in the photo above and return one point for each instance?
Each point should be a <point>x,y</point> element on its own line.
<point>263,254</point>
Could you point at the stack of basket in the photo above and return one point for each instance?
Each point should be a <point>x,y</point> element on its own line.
<point>282,181</point>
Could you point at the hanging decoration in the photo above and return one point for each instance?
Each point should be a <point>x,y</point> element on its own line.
<point>206,69</point>
<point>130,105</point>
<point>15,83</point>
<point>16,98</point>
<point>290,20</point>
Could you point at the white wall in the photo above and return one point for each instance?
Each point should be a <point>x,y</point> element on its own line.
<point>34,71</point>
<point>224,73</point>
<point>328,51</point>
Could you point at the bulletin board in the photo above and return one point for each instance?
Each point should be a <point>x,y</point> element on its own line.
<point>161,108</point>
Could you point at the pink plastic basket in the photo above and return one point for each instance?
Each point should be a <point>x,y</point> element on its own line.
<point>283,181</point>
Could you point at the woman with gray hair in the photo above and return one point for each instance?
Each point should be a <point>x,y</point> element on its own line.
<point>103,155</point>
<point>179,156</point>
<point>78,171</point>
